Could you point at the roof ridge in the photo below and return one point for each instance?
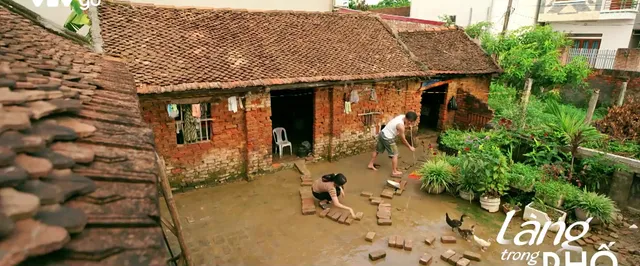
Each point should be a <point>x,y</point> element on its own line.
<point>239,10</point>
<point>436,29</point>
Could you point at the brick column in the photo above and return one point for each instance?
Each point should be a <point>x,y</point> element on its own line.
<point>258,128</point>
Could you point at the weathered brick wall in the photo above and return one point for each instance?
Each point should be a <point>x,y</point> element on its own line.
<point>472,95</point>
<point>191,164</point>
<point>258,133</point>
<point>350,136</point>
<point>609,82</point>
<point>627,59</point>
<point>398,11</point>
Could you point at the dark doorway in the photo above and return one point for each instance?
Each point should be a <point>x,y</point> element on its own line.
<point>430,104</point>
<point>293,111</point>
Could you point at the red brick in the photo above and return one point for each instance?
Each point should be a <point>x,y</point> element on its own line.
<point>369,237</point>
<point>343,217</point>
<point>426,259</point>
<point>306,183</point>
<point>447,254</point>
<point>463,262</point>
<point>472,256</point>
<point>399,242</point>
<point>359,216</point>
<point>384,221</point>
<point>336,216</point>
<point>349,221</point>
<point>387,193</point>
<point>392,241</point>
<point>454,259</point>
<point>383,215</point>
<point>448,239</point>
<point>430,240</point>
<point>408,245</point>
<point>324,213</point>
<point>376,255</point>
<point>366,194</point>
<point>376,201</point>
<point>308,211</point>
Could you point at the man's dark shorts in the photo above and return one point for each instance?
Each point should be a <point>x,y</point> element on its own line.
<point>389,145</point>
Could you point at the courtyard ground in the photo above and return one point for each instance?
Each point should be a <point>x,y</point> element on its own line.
<point>260,222</point>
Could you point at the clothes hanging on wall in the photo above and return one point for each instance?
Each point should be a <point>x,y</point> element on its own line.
<point>355,98</point>
<point>190,126</point>
<point>195,110</point>
<point>373,95</point>
<point>240,103</point>
<point>233,104</point>
<point>172,110</point>
<point>347,107</point>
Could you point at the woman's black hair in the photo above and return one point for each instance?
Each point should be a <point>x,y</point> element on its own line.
<point>338,179</point>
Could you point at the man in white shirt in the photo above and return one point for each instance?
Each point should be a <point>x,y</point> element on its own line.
<point>386,140</point>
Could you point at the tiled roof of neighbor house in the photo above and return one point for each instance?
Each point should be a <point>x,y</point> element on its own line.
<point>77,163</point>
<point>179,49</point>
<point>449,50</point>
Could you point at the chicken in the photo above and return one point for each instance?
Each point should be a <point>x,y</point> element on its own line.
<point>484,244</point>
<point>466,233</point>
<point>455,224</point>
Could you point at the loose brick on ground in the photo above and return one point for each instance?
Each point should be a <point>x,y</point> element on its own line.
<point>376,255</point>
<point>426,259</point>
<point>403,184</point>
<point>454,259</point>
<point>399,242</point>
<point>305,178</point>
<point>369,237</point>
<point>343,217</point>
<point>581,242</point>
<point>472,256</point>
<point>387,193</point>
<point>349,221</point>
<point>308,211</point>
<point>302,168</point>
<point>306,183</point>
<point>448,239</point>
<point>392,241</point>
<point>447,254</point>
<point>332,212</point>
<point>366,194</point>
<point>359,216</point>
<point>463,262</point>
<point>336,216</point>
<point>588,241</point>
<point>408,245</point>
<point>324,212</point>
<point>384,221</point>
<point>385,205</point>
<point>595,238</point>
<point>398,192</point>
<point>383,215</point>
<point>372,198</point>
<point>430,240</point>
<point>376,201</point>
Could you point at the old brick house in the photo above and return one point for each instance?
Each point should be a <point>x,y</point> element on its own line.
<point>246,73</point>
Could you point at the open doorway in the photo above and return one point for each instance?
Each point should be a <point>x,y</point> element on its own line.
<point>430,104</point>
<point>293,111</point>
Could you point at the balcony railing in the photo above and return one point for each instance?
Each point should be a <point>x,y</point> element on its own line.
<point>620,5</point>
<point>597,58</point>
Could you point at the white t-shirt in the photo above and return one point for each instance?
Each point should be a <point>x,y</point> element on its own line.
<point>390,131</point>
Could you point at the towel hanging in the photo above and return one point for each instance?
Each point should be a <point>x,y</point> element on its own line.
<point>355,98</point>
<point>373,95</point>
<point>195,110</point>
<point>240,103</point>
<point>233,104</point>
<point>172,110</point>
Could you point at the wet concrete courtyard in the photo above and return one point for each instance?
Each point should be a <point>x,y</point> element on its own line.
<point>260,222</point>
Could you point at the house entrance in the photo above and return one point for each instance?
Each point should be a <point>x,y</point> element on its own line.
<point>292,110</point>
<point>432,101</point>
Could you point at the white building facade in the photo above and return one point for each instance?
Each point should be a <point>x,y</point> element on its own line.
<point>467,12</point>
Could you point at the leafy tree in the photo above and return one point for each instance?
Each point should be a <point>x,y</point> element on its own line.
<point>479,29</point>
<point>534,52</point>
<point>77,19</point>
<point>391,3</point>
<point>448,21</point>
<point>358,5</point>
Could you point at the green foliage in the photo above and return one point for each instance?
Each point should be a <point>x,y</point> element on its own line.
<point>598,206</point>
<point>523,176</point>
<point>609,144</point>
<point>436,174</point>
<point>552,192</point>
<point>468,140</point>
<point>77,19</point>
<point>595,172</point>
<point>534,52</point>
<point>479,29</point>
<point>391,3</point>
<point>447,19</point>
<point>358,5</point>
<point>487,168</point>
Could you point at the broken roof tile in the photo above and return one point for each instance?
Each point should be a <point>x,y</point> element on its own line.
<point>58,161</point>
<point>83,130</point>
<point>6,156</point>
<point>49,131</point>
<point>13,121</point>
<point>12,175</point>
<point>73,220</point>
<point>70,183</point>
<point>47,193</point>
<point>31,238</point>
<point>72,150</point>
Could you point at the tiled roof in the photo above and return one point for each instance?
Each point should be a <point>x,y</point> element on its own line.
<point>448,50</point>
<point>179,49</point>
<point>77,164</point>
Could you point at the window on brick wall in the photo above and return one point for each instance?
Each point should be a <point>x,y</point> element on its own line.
<point>193,129</point>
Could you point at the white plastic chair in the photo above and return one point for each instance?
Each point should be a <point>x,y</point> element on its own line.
<point>281,142</point>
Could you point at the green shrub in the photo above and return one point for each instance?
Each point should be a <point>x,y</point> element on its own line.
<point>467,140</point>
<point>487,167</point>
<point>598,206</point>
<point>556,193</point>
<point>436,174</point>
<point>523,176</point>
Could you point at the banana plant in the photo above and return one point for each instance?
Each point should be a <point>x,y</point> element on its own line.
<point>77,19</point>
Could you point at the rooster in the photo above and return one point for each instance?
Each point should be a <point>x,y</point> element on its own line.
<point>455,224</point>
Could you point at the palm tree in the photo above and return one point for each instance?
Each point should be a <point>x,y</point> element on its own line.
<point>573,129</point>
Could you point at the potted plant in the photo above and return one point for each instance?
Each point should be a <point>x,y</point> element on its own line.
<point>488,168</point>
<point>551,192</point>
<point>523,177</point>
<point>467,188</point>
<point>538,211</point>
<point>436,176</point>
<point>512,205</point>
<point>599,207</point>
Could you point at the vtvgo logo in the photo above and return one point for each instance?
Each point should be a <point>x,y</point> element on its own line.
<point>84,4</point>
<point>536,235</point>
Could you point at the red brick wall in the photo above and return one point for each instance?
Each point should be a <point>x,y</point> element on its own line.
<point>398,11</point>
<point>349,133</point>
<point>627,59</point>
<point>472,95</point>
<point>609,82</point>
<point>258,136</point>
